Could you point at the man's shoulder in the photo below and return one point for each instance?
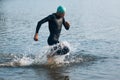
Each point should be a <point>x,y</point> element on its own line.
<point>51,16</point>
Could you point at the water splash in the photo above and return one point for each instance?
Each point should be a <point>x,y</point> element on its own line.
<point>16,60</point>
<point>57,53</point>
<point>40,58</point>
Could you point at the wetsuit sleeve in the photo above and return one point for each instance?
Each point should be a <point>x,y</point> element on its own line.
<point>66,27</point>
<point>41,22</point>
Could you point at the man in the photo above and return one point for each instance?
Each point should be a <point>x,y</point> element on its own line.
<point>55,22</point>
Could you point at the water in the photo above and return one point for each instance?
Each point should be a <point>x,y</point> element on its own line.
<point>93,36</point>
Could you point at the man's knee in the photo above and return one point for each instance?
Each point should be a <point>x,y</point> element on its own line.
<point>62,51</point>
<point>65,50</point>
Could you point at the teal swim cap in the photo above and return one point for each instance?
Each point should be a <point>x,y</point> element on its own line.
<point>61,9</point>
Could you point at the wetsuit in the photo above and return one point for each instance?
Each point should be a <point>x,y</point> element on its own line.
<point>55,25</point>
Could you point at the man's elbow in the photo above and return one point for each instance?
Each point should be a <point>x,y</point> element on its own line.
<point>39,23</point>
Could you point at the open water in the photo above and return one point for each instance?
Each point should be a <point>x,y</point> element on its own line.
<point>94,38</point>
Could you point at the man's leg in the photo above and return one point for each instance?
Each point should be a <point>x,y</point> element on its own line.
<point>62,51</point>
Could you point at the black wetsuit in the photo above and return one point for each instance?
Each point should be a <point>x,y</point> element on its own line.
<point>55,25</point>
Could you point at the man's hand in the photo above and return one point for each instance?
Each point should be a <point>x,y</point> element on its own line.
<point>36,37</point>
<point>67,25</point>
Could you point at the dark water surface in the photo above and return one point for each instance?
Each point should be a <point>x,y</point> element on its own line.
<point>94,37</point>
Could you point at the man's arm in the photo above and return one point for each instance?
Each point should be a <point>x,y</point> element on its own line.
<point>41,22</point>
<point>39,25</point>
<point>66,24</point>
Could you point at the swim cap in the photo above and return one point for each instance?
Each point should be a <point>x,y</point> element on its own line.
<point>61,9</point>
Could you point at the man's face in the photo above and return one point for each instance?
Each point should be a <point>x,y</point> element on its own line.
<point>61,14</point>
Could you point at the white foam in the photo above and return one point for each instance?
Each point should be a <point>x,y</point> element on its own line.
<point>39,59</point>
<point>25,61</point>
<point>58,59</point>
